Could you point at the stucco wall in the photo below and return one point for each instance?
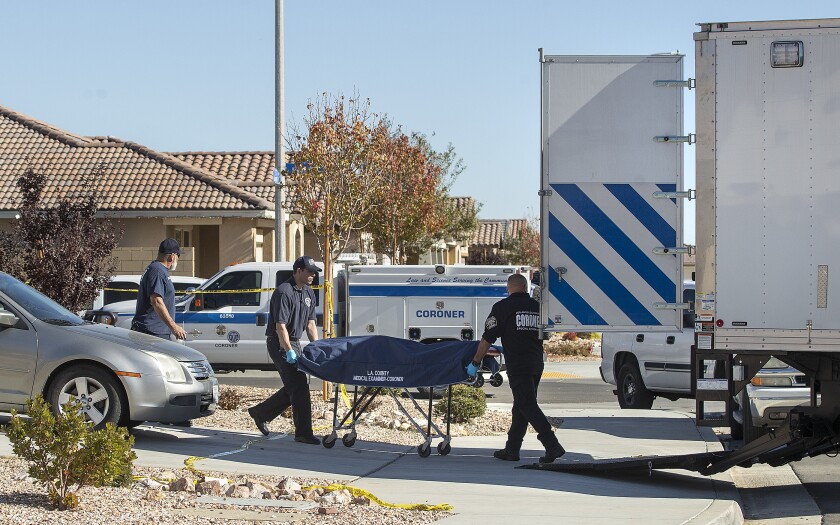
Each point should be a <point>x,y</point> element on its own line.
<point>236,241</point>
<point>142,232</point>
<point>133,260</point>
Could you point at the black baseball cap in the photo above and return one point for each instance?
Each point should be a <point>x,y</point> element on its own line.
<point>305,263</point>
<point>170,246</point>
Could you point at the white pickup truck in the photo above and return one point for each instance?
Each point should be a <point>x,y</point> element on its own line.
<point>225,319</point>
<point>646,365</point>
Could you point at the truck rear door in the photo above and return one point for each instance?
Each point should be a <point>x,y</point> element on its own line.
<point>612,162</point>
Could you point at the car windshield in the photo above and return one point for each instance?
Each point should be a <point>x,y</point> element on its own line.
<point>37,303</point>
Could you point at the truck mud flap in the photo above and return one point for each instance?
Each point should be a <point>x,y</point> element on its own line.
<point>699,462</point>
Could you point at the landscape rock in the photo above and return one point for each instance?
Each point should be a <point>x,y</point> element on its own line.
<point>337,497</point>
<point>289,485</point>
<point>182,485</point>
<point>167,475</point>
<point>211,488</point>
<point>238,491</point>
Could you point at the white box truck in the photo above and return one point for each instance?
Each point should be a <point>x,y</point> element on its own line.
<point>768,224</point>
<point>768,227</point>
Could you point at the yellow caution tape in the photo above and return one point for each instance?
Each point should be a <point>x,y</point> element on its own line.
<point>197,292</point>
<point>361,492</point>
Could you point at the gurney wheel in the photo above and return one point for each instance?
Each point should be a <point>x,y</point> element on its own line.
<point>349,439</point>
<point>479,381</point>
<point>329,441</point>
<point>424,450</point>
<point>444,448</point>
<point>496,380</point>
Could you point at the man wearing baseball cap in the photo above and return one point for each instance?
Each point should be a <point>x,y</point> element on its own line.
<point>155,311</point>
<point>292,310</point>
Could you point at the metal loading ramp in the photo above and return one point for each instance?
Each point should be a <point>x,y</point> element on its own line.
<point>698,462</point>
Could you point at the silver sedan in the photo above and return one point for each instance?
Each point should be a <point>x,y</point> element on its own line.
<point>117,375</point>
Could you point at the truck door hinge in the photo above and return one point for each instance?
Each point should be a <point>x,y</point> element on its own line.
<point>671,306</point>
<point>691,138</point>
<point>664,250</point>
<point>545,193</point>
<point>690,83</point>
<point>688,194</point>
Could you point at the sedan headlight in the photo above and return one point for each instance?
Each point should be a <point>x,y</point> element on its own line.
<point>104,318</point>
<point>170,368</point>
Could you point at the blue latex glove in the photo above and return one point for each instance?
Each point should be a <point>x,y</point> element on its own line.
<point>472,370</point>
<point>291,356</point>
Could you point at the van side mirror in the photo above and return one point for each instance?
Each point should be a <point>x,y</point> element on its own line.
<point>8,319</point>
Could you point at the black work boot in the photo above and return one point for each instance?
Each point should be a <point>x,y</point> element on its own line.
<point>506,455</point>
<point>553,452</point>
<point>261,424</point>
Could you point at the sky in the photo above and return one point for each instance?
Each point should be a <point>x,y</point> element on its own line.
<point>198,75</point>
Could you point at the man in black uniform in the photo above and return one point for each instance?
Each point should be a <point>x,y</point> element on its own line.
<point>292,310</point>
<point>516,320</point>
<point>155,310</point>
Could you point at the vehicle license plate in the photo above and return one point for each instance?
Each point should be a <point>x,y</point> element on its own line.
<point>215,393</point>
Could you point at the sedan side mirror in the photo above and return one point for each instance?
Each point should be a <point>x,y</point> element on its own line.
<point>8,319</point>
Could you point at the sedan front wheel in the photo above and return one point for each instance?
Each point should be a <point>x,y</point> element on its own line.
<point>97,392</point>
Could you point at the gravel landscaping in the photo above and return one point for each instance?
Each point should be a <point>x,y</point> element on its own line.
<point>152,500</point>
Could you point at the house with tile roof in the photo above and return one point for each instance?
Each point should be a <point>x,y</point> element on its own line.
<point>220,206</point>
<point>493,233</point>
<point>450,251</point>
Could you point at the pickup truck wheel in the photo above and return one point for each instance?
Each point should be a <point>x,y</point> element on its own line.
<point>632,392</point>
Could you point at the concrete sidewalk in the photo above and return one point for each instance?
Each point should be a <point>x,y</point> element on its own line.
<point>481,488</point>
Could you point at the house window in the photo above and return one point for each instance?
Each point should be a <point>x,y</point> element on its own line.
<point>183,234</point>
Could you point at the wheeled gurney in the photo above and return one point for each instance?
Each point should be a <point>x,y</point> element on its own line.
<point>371,363</point>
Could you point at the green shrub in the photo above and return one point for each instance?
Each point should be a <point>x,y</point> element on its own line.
<point>468,402</point>
<point>579,347</point>
<point>65,454</point>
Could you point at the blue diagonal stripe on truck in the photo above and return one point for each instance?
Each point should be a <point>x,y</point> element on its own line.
<point>618,240</point>
<point>599,274</point>
<point>644,213</point>
<point>360,290</point>
<point>574,303</point>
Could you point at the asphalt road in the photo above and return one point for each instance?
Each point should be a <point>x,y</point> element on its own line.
<point>821,478</point>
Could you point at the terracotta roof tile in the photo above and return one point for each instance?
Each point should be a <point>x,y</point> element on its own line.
<point>489,233</point>
<point>135,177</point>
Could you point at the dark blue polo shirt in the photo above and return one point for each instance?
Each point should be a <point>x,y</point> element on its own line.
<point>516,320</point>
<point>155,280</point>
<point>292,307</point>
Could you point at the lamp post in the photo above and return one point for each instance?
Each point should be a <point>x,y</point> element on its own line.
<point>279,153</point>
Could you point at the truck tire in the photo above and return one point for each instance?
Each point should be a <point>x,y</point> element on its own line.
<point>632,392</point>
